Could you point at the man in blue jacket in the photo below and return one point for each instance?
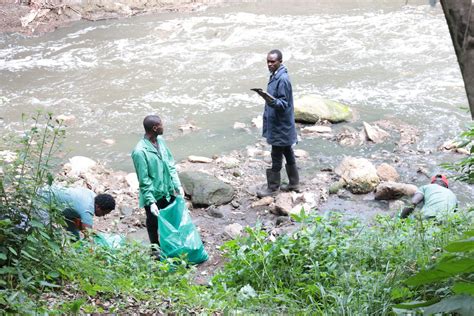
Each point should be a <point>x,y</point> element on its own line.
<point>279,126</point>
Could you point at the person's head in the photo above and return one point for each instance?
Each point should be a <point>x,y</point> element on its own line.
<point>274,60</point>
<point>153,125</point>
<point>440,179</point>
<point>104,204</point>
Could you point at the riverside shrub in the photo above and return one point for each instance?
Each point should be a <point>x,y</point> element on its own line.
<point>332,266</point>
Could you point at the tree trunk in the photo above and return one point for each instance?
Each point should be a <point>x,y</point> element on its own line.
<point>460,18</point>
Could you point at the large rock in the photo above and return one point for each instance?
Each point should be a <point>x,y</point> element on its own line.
<point>132,181</point>
<point>205,189</point>
<point>394,190</point>
<point>79,164</point>
<point>375,133</point>
<point>387,173</point>
<point>358,174</point>
<point>311,109</point>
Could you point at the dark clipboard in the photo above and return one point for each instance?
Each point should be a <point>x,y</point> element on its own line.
<point>267,97</point>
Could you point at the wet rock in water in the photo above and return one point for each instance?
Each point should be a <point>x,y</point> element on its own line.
<point>239,125</point>
<point>188,127</point>
<point>205,189</point>
<point>78,165</point>
<point>233,231</point>
<point>375,133</point>
<point>66,119</point>
<point>283,204</point>
<point>300,153</point>
<point>336,186</point>
<point>263,202</point>
<point>320,129</point>
<point>359,175</point>
<point>132,181</point>
<point>257,122</point>
<point>199,159</point>
<point>108,141</point>
<point>394,190</point>
<point>454,146</point>
<point>350,137</point>
<point>311,109</point>
<point>215,212</point>
<point>387,173</point>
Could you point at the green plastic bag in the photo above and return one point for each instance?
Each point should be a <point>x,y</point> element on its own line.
<point>111,241</point>
<point>178,235</point>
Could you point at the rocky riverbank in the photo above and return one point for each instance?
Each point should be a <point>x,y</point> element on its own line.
<point>221,190</point>
<point>35,17</point>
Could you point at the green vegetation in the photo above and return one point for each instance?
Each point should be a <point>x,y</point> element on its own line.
<point>331,266</point>
<point>465,167</point>
<point>327,266</point>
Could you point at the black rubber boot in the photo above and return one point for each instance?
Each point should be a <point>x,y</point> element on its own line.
<point>273,184</point>
<point>293,176</point>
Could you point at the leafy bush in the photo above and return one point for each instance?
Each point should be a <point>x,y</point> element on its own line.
<point>30,241</point>
<point>330,266</point>
<point>456,266</point>
<point>465,167</point>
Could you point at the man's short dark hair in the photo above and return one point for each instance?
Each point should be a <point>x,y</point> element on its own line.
<point>276,52</point>
<point>149,121</point>
<point>106,202</point>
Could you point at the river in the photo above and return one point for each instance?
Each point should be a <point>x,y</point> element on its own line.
<point>387,60</point>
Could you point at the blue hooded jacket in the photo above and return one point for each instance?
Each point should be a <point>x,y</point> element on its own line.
<point>278,117</point>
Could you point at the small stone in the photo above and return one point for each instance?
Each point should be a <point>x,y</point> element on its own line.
<point>132,181</point>
<point>316,129</point>
<point>300,153</point>
<point>199,159</point>
<point>387,173</point>
<point>238,125</point>
<point>215,212</point>
<point>257,122</point>
<point>228,162</point>
<point>262,202</point>
<point>108,141</point>
<point>235,204</point>
<point>281,220</point>
<point>126,210</point>
<point>236,173</point>
<point>233,230</point>
<point>66,118</point>
<point>375,133</point>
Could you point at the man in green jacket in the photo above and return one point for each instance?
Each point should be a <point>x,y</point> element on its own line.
<point>157,176</point>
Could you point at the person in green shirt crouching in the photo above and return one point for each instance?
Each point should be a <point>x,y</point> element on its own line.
<point>438,200</point>
<point>79,206</point>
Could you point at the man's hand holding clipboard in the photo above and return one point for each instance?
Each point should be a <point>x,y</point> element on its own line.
<point>268,98</point>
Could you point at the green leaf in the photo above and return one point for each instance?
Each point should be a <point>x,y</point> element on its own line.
<point>47,284</point>
<point>461,245</point>
<point>13,251</point>
<point>461,304</point>
<point>3,256</point>
<point>414,305</point>
<point>463,288</point>
<point>446,268</point>
<point>23,252</point>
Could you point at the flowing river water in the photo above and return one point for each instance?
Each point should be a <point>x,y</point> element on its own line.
<point>386,59</point>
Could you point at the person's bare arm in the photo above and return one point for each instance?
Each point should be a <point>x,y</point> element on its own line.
<point>415,200</point>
